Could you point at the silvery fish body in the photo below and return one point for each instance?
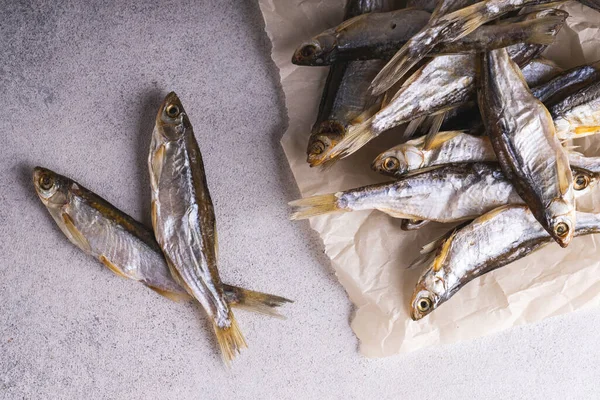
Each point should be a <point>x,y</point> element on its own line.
<point>184,220</point>
<point>540,71</point>
<point>122,244</point>
<point>491,241</point>
<point>524,139</point>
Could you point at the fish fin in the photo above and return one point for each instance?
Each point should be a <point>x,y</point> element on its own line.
<point>230,339</point>
<point>157,163</point>
<point>582,131</point>
<point>349,22</point>
<point>396,68</point>
<point>491,214</point>
<point>563,172</point>
<point>544,30</point>
<point>355,139</point>
<point>413,126</point>
<point>315,205</point>
<point>436,140</point>
<point>436,124</point>
<point>428,252</point>
<point>573,150</point>
<point>178,297</point>
<point>443,251</point>
<point>76,236</point>
<point>258,302</point>
<point>112,267</point>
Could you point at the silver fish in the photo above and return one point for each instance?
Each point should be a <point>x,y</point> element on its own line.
<point>578,115</point>
<point>491,241</point>
<point>445,28</point>
<point>452,147</point>
<point>540,71</point>
<point>122,244</point>
<point>184,221</point>
<point>450,193</point>
<point>524,139</point>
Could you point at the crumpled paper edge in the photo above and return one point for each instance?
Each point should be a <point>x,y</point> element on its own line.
<point>368,250</point>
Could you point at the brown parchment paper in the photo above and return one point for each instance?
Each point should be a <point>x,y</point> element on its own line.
<point>368,250</point>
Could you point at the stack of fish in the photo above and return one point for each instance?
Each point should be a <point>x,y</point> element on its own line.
<point>488,126</point>
<point>179,259</point>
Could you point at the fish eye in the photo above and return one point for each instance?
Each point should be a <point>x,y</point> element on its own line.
<point>46,182</point>
<point>391,164</point>
<point>317,147</point>
<point>308,50</point>
<point>561,229</point>
<point>581,182</point>
<point>424,304</point>
<point>172,111</point>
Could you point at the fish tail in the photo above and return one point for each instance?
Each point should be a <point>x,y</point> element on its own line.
<point>544,30</point>
<point>258,302</point>
<point>230,339</point>
<point>467,19</point>
<point>357,137</point>
<point>315,205</point>
<point>395,69</point>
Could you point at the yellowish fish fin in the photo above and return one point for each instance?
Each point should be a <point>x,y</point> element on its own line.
<point>112,267</point>
<point>563,172</point>
<point>440,138</point>
<point>365,115</point>
<point>441,255</point>
<point>582,131</point>
<point>412,127</point>
<point>357,137</point>
<point>175,296</point>
<point>436,124</point>
<point>76,236</point>
<point>315,205</point>
<point>157,165</point>
<point>230,339</point>
<point>257,302</point>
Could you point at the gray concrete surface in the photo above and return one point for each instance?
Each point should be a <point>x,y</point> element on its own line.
<point>80,83</point>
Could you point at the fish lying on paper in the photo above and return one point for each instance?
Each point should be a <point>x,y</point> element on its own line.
<point>444,29</point>
<point>489,242</point>
<point>523,136</point>
<point>122,244</point>
<point>450,193</point>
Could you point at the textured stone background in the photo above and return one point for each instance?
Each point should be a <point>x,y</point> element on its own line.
<point>80,83</point>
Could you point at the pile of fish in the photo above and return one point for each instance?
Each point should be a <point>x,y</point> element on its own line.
<point>179,259</point>
<point>488,127</point>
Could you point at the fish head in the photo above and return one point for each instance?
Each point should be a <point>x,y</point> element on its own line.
<point>562,222</point>
<point>51,188</point>
<point>391,163</point>
<point>584,180</point>
<point>328,134</point>
<point>428,295</point>
<point>172,120</point>
<point>315,51</point>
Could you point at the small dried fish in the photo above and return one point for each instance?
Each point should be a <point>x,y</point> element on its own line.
<point>122,244</point>
<point>578,115</point>
<point>364,37</point>
<point>567,83</point>
<point>446,82</point>
<point>491,241</point>
<point>184,220</point>
<point>346,98</point>
<point>380,35</point>
<point>446,28</point>
<point>524,139</point>
<point>450,193</point>
<point>452,147</point>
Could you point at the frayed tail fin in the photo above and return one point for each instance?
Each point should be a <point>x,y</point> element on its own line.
<point>230,339</point>
<point>258,302</point>
<point>315,205</point>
